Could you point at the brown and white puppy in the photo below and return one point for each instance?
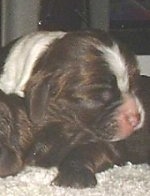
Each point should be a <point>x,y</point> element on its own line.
<point>84,68</point>
<point>79,91</point>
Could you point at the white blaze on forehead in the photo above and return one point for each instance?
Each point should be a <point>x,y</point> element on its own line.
<point>117,65</point>
<point>21,60</point>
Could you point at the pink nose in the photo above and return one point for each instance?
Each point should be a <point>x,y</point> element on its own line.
<point>133,119</point>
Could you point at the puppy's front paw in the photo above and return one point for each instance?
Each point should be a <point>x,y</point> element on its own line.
<point>76,176</point>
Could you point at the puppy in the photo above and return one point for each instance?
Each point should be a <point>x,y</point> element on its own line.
<point>79,94</point>
<point>94,58</point>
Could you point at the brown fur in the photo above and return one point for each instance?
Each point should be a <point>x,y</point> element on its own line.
<point>69,113</point>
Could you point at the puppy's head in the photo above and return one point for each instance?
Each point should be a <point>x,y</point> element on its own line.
<point>11,139</point>
<point>90,78</point>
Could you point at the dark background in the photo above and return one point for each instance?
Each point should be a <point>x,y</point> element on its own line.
<point>129,20</point>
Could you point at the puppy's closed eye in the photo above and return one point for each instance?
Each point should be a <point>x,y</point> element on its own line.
<point>97,95</point>
<point>106,95</point>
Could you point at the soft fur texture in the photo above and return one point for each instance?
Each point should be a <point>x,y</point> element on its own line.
<point>80,100</point>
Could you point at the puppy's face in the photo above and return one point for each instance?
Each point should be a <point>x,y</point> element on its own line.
<point>92,82</point>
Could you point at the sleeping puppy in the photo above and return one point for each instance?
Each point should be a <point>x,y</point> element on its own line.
<point>80,99</point>
<point>81,68</point>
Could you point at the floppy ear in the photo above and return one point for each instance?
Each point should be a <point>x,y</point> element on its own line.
<point>37,100</point>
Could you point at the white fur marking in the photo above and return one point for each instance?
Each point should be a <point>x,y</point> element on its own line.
<point>117,64</point>
<point>21,60</point>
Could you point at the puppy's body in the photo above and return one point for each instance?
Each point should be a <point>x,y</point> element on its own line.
<point>15,134</point>
<point>79,93</point>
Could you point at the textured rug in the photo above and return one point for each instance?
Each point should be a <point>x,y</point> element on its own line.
<point>129,180</point>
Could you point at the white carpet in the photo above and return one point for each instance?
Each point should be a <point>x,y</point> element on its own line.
<point>129,180</point>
